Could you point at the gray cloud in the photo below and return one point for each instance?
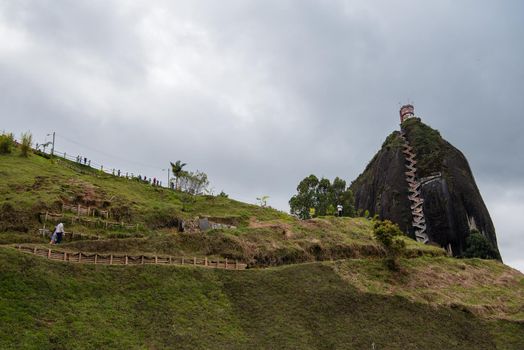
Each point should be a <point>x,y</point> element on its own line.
<point>260,94</point>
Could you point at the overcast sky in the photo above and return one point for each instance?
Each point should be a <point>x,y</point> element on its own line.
<point>260,94</point>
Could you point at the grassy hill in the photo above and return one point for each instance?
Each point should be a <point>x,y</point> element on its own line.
<point>261,237</point>
<point>51,305</point>
<point>313,284</point>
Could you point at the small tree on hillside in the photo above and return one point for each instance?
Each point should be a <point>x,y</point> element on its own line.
<point>389,236</point>
<point>177,169</point>
<point>6,143</point>
<point>262,201</point>
<point>478,246</point>
<point>27,141</point>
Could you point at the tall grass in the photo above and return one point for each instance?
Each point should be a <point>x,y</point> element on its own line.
<point>6,143</point>
<point>27,142</point>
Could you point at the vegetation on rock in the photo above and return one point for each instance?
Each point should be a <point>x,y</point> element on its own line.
<point>477,246</point>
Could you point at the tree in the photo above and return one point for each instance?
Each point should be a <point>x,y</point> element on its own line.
<point>320,195</point>
<point>262,201</point>
<point>177,169</point>
<point>389,236</point>
<point>193,182</point>
<point>478,246</point>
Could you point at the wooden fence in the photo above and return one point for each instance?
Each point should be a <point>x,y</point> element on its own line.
<point>86,211</point>
<point>69,236</point>
<point>88,221</point>
<point>114,259</point>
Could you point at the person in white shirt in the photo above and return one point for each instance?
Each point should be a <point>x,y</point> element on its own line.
<point>59,230</point>
<point>339,209</point>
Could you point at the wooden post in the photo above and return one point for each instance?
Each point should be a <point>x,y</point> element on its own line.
<point>205,261</point>
<point>19,247</point>
<point>34,250</point>
<point>49,253</point>
<point>170,261</point>
<point>96,258</point>
<point>45,219</point>
<point>79,256</point>
<point>236,264</point>
<point>182,260</point>
<point>65,256</point>
<point>156,259</point>
<point>126,260</point>
<point>194,261</point>
<point>142,260</point>
<point>226,264</point>
<point>111,259</point>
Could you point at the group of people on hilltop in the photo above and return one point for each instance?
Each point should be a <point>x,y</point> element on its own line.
<point>58,234</point>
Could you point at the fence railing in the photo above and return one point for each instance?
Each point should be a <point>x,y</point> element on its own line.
<point>86,211</point>
<point>119,259</point>
<point>47,216</point>
<point>69,236</point>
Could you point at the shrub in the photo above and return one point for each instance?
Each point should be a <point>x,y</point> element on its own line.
<point>27,141</point>
<point>478,246</point>
<point>6,143</point>
<point>389,236</point>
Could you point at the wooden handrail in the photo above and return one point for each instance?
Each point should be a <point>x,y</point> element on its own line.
<point>111,259</point>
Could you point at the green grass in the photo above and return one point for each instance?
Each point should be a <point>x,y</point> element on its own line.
<point>263,243</point>
<point>35,184</point>
<point>52,305</point>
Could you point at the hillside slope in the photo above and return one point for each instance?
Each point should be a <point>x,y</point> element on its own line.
<point>51,305</point>
<point>261,236</point>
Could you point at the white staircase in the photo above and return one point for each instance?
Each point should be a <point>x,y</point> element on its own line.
<point>419,221</point>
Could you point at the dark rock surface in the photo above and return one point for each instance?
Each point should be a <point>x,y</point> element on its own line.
<point>452,203</point>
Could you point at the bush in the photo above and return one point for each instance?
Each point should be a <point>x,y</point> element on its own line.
<point>478,246</point>
<point>27,142</point>
<point>389,236</point>
<point>6,143</point>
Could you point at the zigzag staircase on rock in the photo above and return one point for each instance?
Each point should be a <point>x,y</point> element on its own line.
<point>417,212</point>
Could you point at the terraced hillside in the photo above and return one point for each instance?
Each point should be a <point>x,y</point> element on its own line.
<point>313,284</point>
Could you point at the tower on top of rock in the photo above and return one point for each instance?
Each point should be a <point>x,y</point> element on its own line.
<point>406,112</point>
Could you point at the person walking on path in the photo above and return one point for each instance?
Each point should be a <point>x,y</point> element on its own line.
<point>59,230</point>
<point>339,209</point>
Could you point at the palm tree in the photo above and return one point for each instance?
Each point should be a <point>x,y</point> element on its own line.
<point>177,169</point>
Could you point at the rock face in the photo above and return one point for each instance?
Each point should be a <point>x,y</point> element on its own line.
<point>452,202</point>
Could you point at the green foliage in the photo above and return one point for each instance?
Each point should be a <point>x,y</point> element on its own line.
<point>428,145</point>
<point>262,201</point>
<point>320,195</point>
<point>390,236</point>
<point>193,182</point>
<point>6,143</point>
<point>27,142</point>
<point>330,211</point>
<point>366,214</point>
<point>177,169</point>
<point>478,246</point>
